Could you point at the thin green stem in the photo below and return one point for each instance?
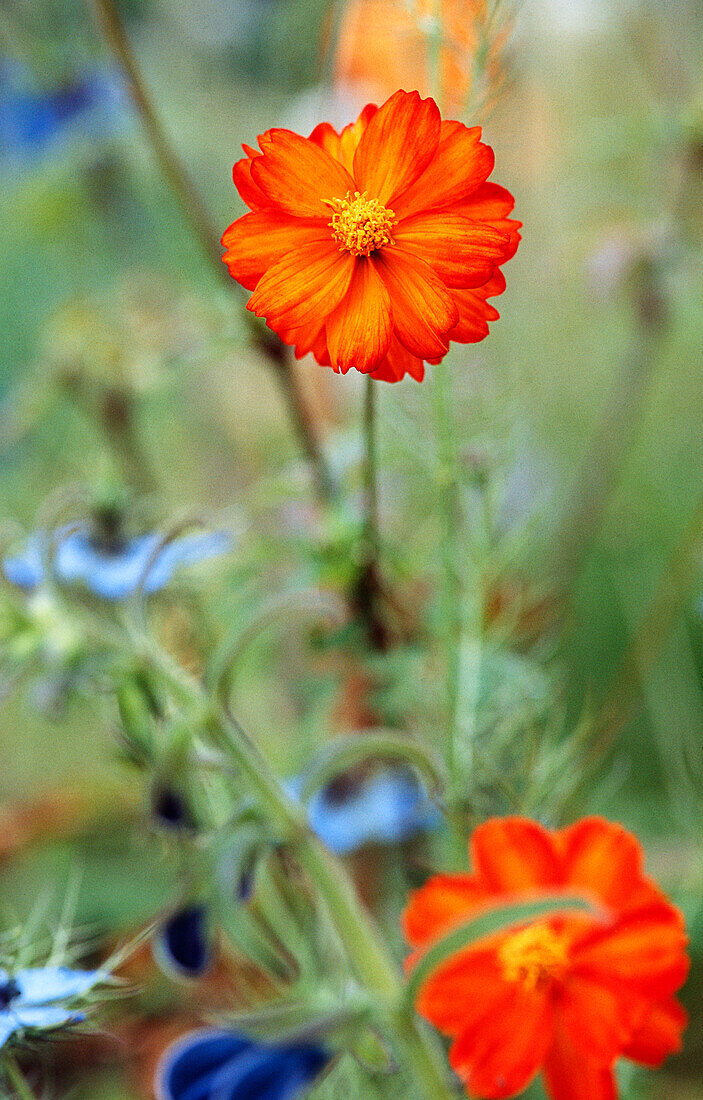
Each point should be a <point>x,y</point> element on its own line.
<point>17,1078</point>
<point>371,533</point>
<point>195,213</point>
<point>452,594</point>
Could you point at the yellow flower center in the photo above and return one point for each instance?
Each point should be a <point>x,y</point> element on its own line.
<point>359,224</point>
<point>534,956</point>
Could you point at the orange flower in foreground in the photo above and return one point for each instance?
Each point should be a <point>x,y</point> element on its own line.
<point>565,995</point>
<point>375,247</point>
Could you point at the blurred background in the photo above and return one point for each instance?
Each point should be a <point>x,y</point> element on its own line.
<point>126,366</point>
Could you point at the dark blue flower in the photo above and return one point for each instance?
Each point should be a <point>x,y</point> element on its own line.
<point>182,947</point>
<point>112,571</point>
<point>385,807</point>
<point>170,808</point>
<point>224,1065</point>
<point>38,999</point>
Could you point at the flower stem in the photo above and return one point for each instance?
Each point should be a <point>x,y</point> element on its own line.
<point>370,471</point>
<point>372,966</point>
<point>17,1079</point>
<point>195,213</point>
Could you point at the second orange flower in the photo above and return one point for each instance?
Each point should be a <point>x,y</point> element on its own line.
<point>374,247</point>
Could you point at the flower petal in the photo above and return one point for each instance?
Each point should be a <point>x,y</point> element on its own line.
<point>475,312</point>
<point>460,165</point>
<point>424,312</point>
<point>463,253</point>
<point>659,1034</point>
<point>598,1020</point>
<point>299,176</point>
<point>514,854</point>
<point>343,146</point>
<point>644,952</point>
<point>463,990</point>
<point>444,901</point>
<point>503,1048</point>
<point>398,363</point>
<point>570,1076</point>
<point>491,203</point>
<point>303,286</point>
<point>41,985</point>
<point>359,330</point>
<point>397,145</point>
<point>257,241</point>
<point>249,190</point>
<point>605,859</point>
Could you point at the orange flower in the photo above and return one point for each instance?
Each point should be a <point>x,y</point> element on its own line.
<point>383,44</point>
<point>565,995</point>
<point>374,247</point>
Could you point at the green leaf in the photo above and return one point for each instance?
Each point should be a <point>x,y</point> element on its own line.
<point>486,924</point>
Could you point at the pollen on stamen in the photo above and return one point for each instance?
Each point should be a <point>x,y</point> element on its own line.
<point>534,956</point>
<point>359,224</point>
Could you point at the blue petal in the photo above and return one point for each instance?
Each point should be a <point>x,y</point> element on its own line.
<point>183,945</point>
<point>26,570</point>
<point>225,1066</point>
<point>190,1063</point>
<point>8,1026</point>
<point>44,985</point>
<point>45,1017</point>
<point>385,808</point>
<point>188,550</point>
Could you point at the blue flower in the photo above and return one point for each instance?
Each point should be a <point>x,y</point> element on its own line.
<point>112,572</point>
<point>34,121</point>
<point>37,999</point>
<point>183,944</point>
<point>385,807</point>
<point>224,1065</point>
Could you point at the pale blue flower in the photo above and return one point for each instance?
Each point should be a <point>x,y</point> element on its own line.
<point>41,999</point>
<point>112,572</point>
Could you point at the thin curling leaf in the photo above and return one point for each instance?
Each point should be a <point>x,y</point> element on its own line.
<point>497,919</point>
<point>305,1018</point>
<point>310,606</point>
<point>346,752</point>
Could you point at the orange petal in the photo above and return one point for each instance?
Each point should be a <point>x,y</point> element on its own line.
<point>475,312</point>
<point>599,1021</point>
<point>250,191</point>
<point>659,1035</point>
<point>461,992</point>
<point>423,309</point>
<point>307,340</point>
<point>257,241</point>
<point>463,253</point>
<point>343,146</point>
<point>602,858</point>
<point>570,1076</point>
<point>303,287</point>
<point>513,854</point>
<point>444,901</point>
<point>298,175</point>
<point>359,330</point>
<point>643,952</point>
<point>397,145</point>
<point>500,1052</point>
<point>398,363</point>
<point>461,164</point>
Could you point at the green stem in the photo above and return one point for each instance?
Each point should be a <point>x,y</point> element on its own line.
<point>17,1079</point>
<point>196,214</point>
<point>452,589</point>
<point>370,474</point>
<point>372,966</point>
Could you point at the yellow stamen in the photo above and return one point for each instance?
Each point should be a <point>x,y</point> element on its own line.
<point>360,224</point>
<point>534,956</point>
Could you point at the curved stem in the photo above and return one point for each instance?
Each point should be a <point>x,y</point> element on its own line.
<point>195,213</point>
<point>372,966</point>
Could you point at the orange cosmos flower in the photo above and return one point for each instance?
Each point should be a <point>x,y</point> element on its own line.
<point>565,995</point>
<point>375,247</point>
<point>384,44</point>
